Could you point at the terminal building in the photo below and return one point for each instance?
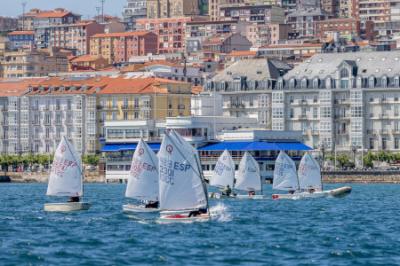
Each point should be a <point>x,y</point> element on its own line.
<point>210,135</point>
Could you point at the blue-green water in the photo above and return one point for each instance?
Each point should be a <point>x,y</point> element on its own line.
<point>361,229</point>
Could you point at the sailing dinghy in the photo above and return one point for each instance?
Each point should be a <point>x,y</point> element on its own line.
<point>310,182</point>
<point>223,175</point>
<point>183,196</point>
<point>66,179</point>
<point>249,178</point>
<point>143,180</point>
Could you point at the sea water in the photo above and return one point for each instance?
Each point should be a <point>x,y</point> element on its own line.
<point>360,229</point>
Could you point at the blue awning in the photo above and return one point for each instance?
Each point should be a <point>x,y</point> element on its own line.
<point>115,147</point>
<point>255,146</point>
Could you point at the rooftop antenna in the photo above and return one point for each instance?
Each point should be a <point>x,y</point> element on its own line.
<point>102,10</point>
<point>23,15</point>
<point>98,9</point>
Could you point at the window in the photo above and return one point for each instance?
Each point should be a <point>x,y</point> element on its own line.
<point>396,143</point>
<point>384,143</point>
<point>344,73</point>
<point>325,112</point>
<point>371,143</point>
<point>356,111</point>
<point>125,115</point>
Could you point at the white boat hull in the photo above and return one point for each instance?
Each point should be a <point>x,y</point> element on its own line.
<point>216,195</point>
<point>130,208</point>
<point>66,207</point>
<point>182,216</point>
<point>338,192</point>
<point>254,197</point>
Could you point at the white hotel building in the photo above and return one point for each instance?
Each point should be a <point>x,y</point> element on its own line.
<point>341,101</point>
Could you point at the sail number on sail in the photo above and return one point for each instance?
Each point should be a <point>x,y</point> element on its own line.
<point>139,166</point>
<point>61,165</point>
<point>221,167</point>
<point>168,168</point>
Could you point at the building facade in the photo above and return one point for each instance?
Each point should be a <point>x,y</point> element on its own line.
<point>133,10</point>
<point>341,101</point>
<point>21,39</point>
<point>171,32</point>
<point>119,47</point>
<point>172,8</point>
<point>34,63</point>
<point>246,88</point>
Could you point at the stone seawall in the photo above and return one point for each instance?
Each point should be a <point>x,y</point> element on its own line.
<point>43,177</point>
<point>392,177</point>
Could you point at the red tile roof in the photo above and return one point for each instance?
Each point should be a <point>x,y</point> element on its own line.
<point>53,14</point>
<point>120,34</point>
<point>26,32</point>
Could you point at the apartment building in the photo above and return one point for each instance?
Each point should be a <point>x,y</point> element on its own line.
<point>59,107</point>
<point>291,51</point>
<point>224,44</point>
<point>347,28</point>
<point>34,63</point>
<point>303,21</point>
<point>198,31</point>
<point>342,101</point>
<point>8,24</point>
<point>14,116</point>
<point>119,47</point>
<point>171,32</point>
<point>253,12</point>
<point>133,10</point>
<point>21,39</point>
<point>246,88</point>
<point>75,37</point>
<point>172,8</point>
<point>44,19</point>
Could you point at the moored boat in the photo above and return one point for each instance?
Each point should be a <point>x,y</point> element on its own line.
<point>66,179</point>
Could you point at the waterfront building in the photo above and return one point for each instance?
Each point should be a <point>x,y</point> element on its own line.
<point>151,98</point>
<point>121,137</point>
<point>120,47</point>
<point>14,116</point>
<point>170,31</point>
<point>206,104</point>
<point>21,39</point>
<point>133,10</point>
<point>59,107</point>
<point>246,88</point>
<point>342,101</point>
<point>34,63</point>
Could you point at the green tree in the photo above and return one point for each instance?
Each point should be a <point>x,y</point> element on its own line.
<point>91,159</point>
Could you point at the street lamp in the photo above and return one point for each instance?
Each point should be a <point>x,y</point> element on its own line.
<point>322,149</point>
<point>354,150</point>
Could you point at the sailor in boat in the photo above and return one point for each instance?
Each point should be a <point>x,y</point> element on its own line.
<point>227,191</point>
<point>151,205</point>
<point>252,193</point>
<point>74,199</point>
<point>311,190</point>
<point>291,191</point>
<point>198,212</point>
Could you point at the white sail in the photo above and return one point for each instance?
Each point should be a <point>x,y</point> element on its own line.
<point>248,177</point>
<point>66,172</point>
<point>309,173</point>
<point>180,182</point>
<point>143,176</point>
<point>285,176</point>
<point>224,171</point>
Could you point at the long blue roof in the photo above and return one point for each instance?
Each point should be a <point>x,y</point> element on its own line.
<point>221,146</point>
<point>255,146</point>
<point>113,147</point>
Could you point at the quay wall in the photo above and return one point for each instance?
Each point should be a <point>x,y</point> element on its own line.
<point>392,177</point>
